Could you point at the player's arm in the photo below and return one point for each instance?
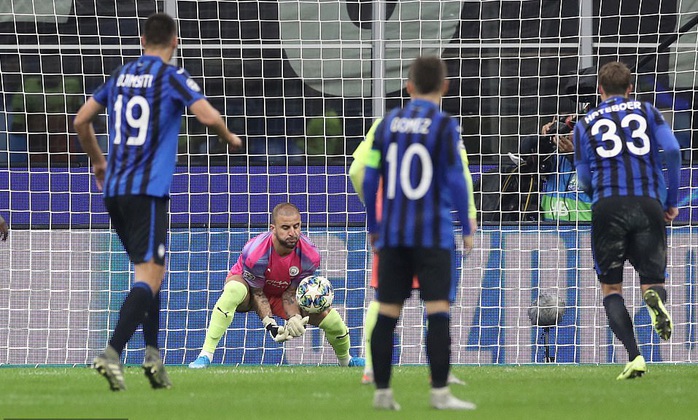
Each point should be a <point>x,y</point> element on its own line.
<point>261,305</point>
<point>672,156</point>
<point>357,170</point>
<point>87,138</point>
<point>288,299</point>
<point>260,302</point>
<point>456,178</point>
<point>370,187</point>
<point>472,210</point>
<point>210,117</point>
<point>371,181</point>
<point>295,325</point>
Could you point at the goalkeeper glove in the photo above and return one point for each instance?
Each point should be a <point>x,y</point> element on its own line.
<point>296,325</point>
<point>279,334</point>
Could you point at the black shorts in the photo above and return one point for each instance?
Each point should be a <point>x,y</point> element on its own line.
<point>399,265</point>
<point>141,222</point>
<point>633,229</point>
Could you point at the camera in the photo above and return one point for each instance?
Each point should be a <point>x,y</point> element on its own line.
<point>563,125</point>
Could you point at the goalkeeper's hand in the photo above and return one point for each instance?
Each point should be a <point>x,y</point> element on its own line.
<point>279,334</point>
<point>296,325</point>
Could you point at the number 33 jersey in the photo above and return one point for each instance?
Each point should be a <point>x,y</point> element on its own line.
<point>617,148</point>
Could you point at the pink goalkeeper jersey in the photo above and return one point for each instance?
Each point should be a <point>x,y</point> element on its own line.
<point>262,267</point>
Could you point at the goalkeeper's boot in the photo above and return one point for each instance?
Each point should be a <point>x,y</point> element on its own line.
<point>108,364</point>
<point>367,377</point>
<point>383,400</point>
<point>357,362</point>
<point>633,369</point>
<point>442,399</point>
<point>155,370</point>
<point>201,362</point>
<point>661,320</point>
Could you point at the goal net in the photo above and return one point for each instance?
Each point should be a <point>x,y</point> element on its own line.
<point>301,81</point>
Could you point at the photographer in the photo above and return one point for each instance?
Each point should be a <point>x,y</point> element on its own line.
<point>560,197</point>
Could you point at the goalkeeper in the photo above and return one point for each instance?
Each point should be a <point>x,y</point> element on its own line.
<point>356,175</point>
<point>265,279</point>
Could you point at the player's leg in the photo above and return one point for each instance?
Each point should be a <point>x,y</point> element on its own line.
<point>132,312</point>
<point>152,271</point>
<point>435,276</point>
<point>153,366</point>
<point>151,323</point>
<point>609,243</point>
<point>452,294</point>
<point>369,325</point>
<point>654,296</point>
<point>337,335</point>
<point>235,293</point>
<point>394,286</point>
<point>141,223</point>
<point>152,363</point>
<point>648,253</point>
<point>622,326</point>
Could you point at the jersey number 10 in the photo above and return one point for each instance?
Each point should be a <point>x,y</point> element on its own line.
<point>413,150</point>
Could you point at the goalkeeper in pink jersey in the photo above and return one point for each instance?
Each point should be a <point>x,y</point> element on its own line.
<point>265,279</point>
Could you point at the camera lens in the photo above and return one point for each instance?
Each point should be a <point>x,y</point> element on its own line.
<point>559,128</point>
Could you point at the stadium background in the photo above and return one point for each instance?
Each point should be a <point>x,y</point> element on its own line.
<point>65,274</point>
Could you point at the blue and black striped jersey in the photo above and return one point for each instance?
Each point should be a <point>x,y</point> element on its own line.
<point>416,151</point>
<point>145,100</point>
<point>617,148</point>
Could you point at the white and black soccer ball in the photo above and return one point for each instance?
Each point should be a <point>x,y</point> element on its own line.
<point>547,310</point>
<point>315,294</point>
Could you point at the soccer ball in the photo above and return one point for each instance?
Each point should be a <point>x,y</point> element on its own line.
<point>314,294</point>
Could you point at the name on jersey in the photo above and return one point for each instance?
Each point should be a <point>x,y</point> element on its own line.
<point>135,80</point>
<point>410,125</point>
<point>613,108</point>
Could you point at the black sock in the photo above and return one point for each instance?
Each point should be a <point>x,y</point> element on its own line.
<point>661,291</point>
<point>151,323</point>
<point>621,324</point>
<point>382,350</point>
<point>131,314</point>
<point>439,348</point>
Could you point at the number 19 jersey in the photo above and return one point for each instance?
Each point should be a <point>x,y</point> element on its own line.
<point>145,100</point>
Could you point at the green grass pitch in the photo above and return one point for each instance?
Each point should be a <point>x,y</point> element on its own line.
<point>324,392</point>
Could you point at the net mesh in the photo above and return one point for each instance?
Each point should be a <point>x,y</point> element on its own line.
<point>302,81</point>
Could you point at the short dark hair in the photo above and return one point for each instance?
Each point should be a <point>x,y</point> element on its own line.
<point>159,29</point>
<point>615,78</point>
<point>285,209</point>
<point>427,73</point>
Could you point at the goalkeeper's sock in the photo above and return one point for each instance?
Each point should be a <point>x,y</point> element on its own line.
<point>337,335</point>
<point>131,314</point>
<point>369,324</point>
<point>151,323</point>
<point>439,347</point>
<point>233,294</point>
<point>382,350</point>
<point>620,323</point>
